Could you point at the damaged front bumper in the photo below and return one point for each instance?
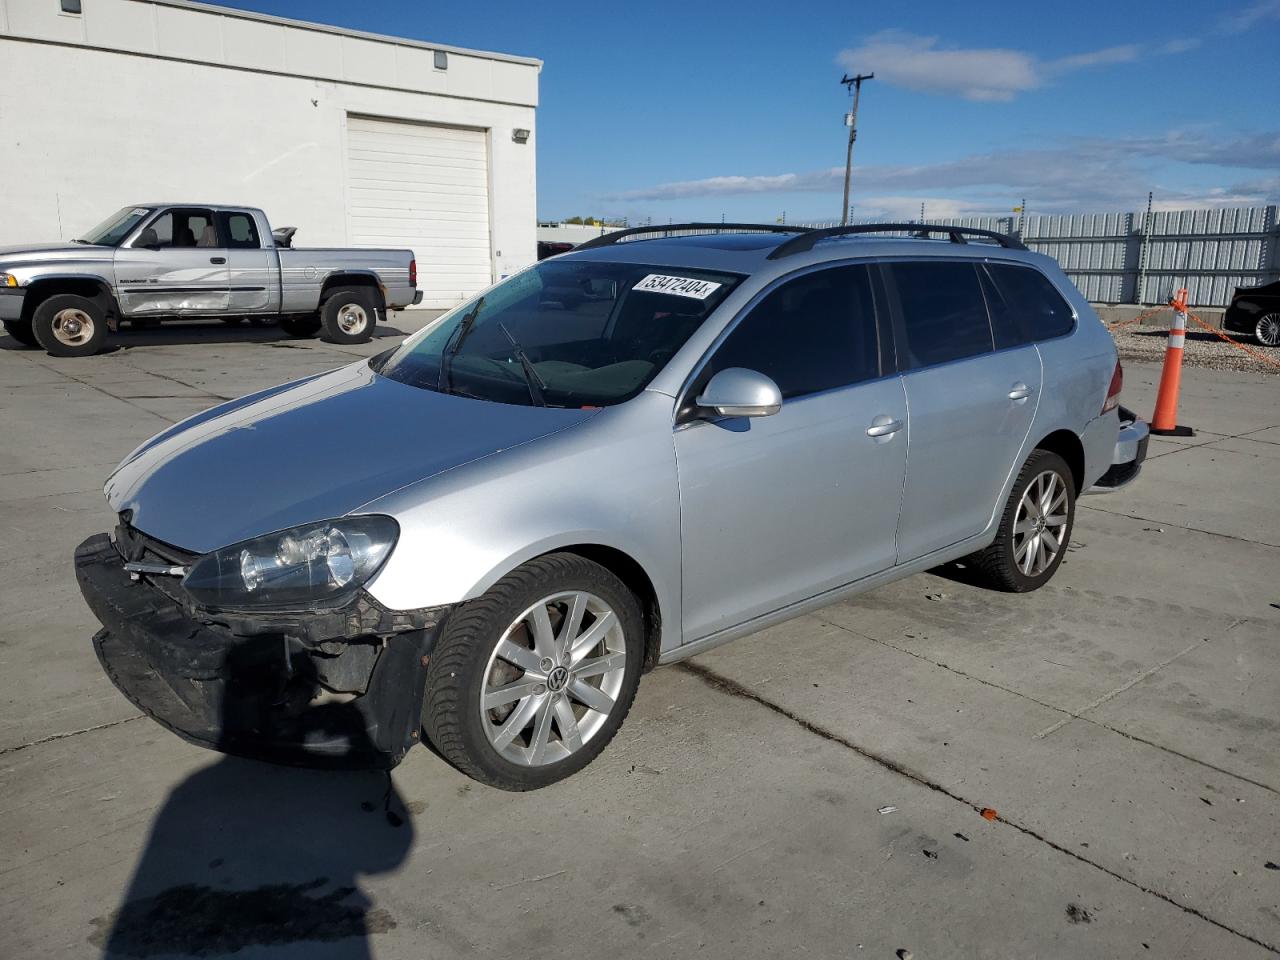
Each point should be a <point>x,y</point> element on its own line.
<point>336,687</point>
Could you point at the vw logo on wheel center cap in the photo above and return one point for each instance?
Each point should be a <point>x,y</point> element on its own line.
<point>557,679</point>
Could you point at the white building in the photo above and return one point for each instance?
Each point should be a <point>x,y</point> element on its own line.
<point>353,138</point>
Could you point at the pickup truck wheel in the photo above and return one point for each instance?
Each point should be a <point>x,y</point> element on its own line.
<point>530,682</point>
<point>1035,527</point>
<point>21,331</point>
<point>349,315</point>
<point>67,325</point>
<point>300,326</point>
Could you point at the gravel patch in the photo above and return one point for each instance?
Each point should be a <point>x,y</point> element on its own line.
<point>1203,349</point>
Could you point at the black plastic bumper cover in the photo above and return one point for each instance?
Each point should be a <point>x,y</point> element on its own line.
<point>256,692</point>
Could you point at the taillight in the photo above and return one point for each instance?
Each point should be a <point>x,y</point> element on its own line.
<point>413,273</point>
<point>1113,391</point>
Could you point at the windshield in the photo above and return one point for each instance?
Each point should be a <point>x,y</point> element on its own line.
<point>565,333</point>
<point>112,231</point>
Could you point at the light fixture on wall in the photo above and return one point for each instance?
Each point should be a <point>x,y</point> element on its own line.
<point>441,60</point>
<point>520,135</point>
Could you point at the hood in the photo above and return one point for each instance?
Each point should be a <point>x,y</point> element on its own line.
<point>45,250</point>
<point>314,450</point>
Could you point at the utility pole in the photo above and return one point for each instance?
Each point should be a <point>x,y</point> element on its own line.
<point>854,84</point>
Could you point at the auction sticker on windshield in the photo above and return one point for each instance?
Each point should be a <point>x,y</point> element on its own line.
<point>677,286</point>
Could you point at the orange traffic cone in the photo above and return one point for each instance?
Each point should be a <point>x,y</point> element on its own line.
<point>1165,421</point>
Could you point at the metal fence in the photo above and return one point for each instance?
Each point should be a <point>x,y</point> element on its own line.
<point>1142,258</point>
<point>1126,258</point>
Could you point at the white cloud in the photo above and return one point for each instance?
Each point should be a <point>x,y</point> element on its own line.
<point>1124,53</point>
<point>1250,17</point>
<point>918,63</point>
<point>990,73</point>
<point>1080,174</point>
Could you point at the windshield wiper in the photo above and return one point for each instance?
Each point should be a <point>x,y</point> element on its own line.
<point>535,382</point>
<point>444,382</point>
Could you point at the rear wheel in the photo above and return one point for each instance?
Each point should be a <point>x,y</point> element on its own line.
<point>67,325</point>
<point>300,326</point>
<point>1267,330</point>
<point>531,681</point>
<point>21,331</point>
<point>1034,529</point>
<point>349,315</point>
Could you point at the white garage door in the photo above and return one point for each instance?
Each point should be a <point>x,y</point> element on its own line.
<point>426,188</point>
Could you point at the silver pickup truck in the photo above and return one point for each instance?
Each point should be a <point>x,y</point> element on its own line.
<point>159,261</point>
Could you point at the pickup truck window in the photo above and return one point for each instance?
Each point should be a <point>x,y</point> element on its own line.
<point>239,231</point>
<point>112,231</point>
<point>179,229</point>
<point>562,334</point>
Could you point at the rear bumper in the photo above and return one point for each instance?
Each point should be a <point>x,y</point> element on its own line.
<point>11,303</point>
<point>1127,459</point>
<point>260,688</point>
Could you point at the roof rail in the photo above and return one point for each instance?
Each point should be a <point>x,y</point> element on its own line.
<point>806,240</point>
<point>606,239</point>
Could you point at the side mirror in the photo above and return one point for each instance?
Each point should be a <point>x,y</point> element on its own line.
<point>737,392</point>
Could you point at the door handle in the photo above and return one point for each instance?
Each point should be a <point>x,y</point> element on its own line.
<point>1019,391</point>
<point>883,426</point>
<point>217,259</point>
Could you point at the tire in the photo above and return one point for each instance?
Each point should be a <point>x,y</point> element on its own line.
<point>348,315</point>
<point>300,326</point>
<point>67,325</point>
<point>1004,565</point>
<point>1267,330</point>
<point>467,662</point>
<point>21,331</point>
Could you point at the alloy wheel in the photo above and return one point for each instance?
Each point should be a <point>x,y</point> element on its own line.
<point>1040,524</point>
<point>72,327</point>
<point>352,318</point>
<point>1268,330</point>
<point>553,679</point>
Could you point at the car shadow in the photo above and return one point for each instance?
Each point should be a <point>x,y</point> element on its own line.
<point>247,856</point>
<point>196,332</point>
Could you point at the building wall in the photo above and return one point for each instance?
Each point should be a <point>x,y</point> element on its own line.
<point>139,100</point>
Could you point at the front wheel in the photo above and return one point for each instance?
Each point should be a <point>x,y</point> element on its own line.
<point>349,315</point>
<point>1267,330</point>
<point>531,681</point>
<point>67,325</point>
<point>1035,527</point>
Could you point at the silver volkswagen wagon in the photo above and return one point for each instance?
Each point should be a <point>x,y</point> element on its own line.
<point>617,458</point>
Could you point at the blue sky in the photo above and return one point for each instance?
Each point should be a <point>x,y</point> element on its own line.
<point>696,110</point>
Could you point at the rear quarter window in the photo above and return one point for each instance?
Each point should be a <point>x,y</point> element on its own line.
<point>1025,306</point>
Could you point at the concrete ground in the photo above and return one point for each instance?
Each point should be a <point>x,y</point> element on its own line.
<point>1123,722</point>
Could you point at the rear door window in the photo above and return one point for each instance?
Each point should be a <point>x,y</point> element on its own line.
<point>943,312</point>
<point>1025,304</point>
<point>814,333</point>
<point>239,231</point>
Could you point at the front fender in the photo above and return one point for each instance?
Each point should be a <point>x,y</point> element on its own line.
<point>609,482</point>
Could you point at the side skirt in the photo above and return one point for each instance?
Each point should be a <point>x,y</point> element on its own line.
<point>827,597</point>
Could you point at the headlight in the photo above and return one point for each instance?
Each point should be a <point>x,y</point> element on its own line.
<point>295,566</point>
